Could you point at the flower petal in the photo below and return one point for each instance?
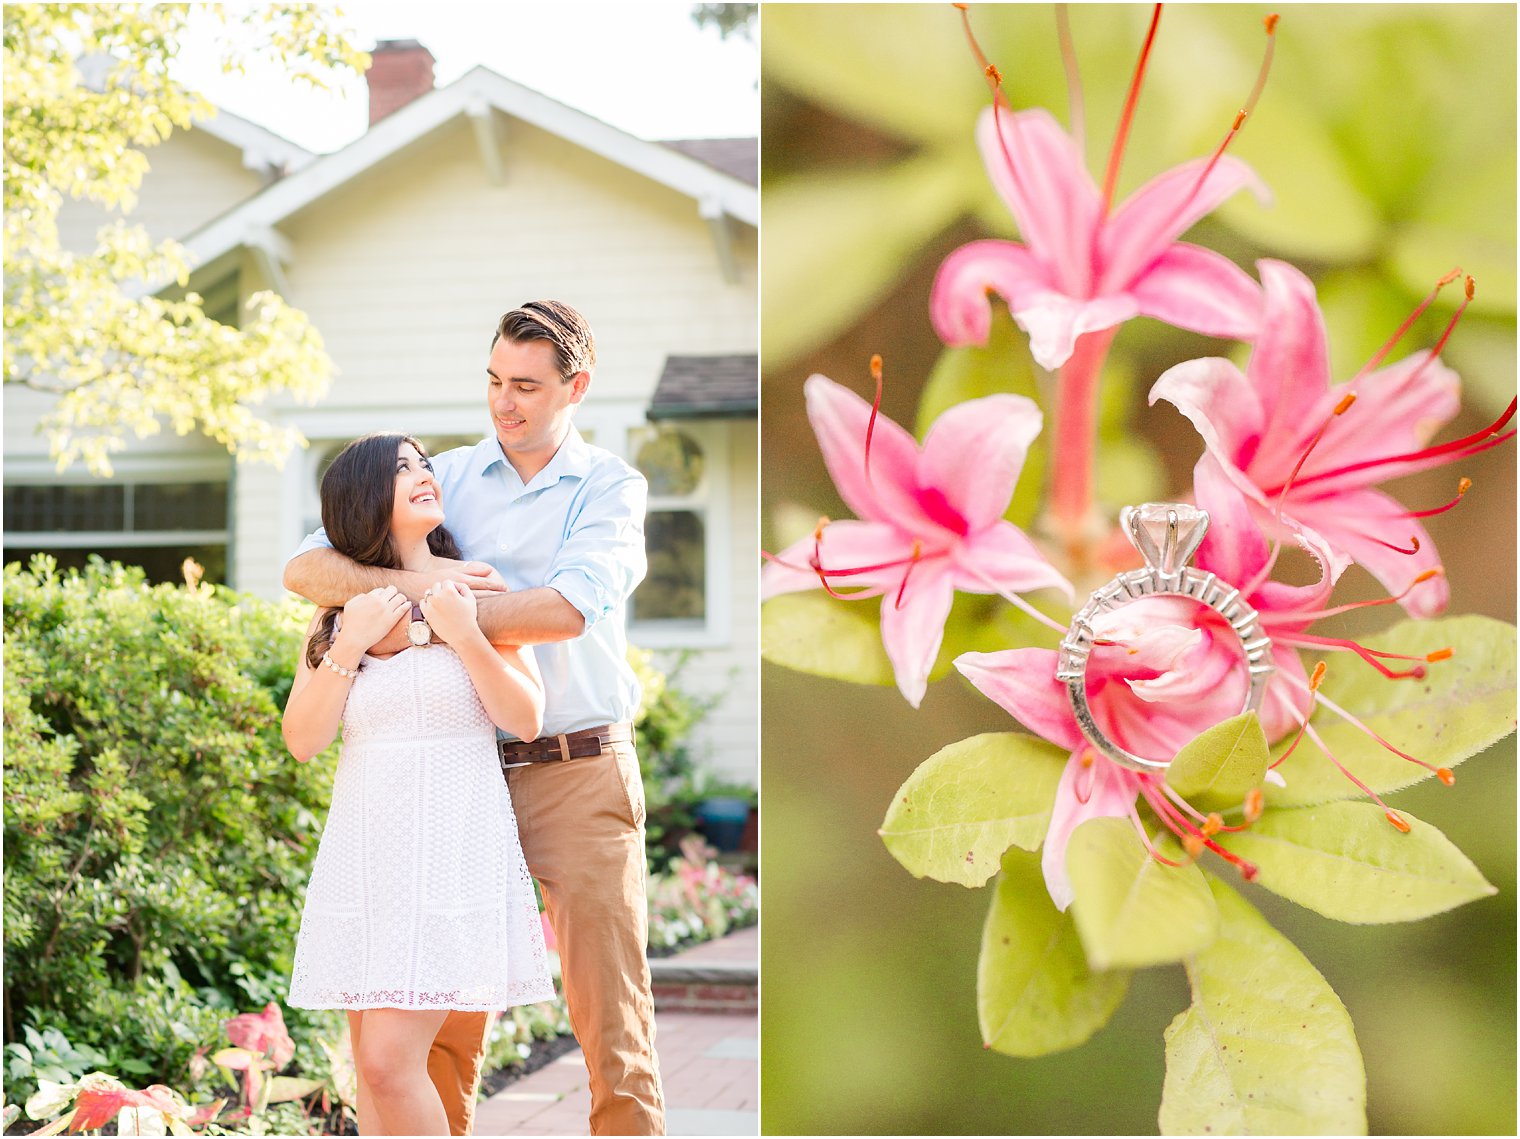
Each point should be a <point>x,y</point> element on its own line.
<point>1054,322</point>
<point>1286,699</point>
<point>974,452</point>
<point>1158,213</point>
<point>1202,291</point>
<point>840,418</point>
<point>1289,371</point>
<point>1086,791</point>
<point>1023,683</point>
<point>844,547</point>
<point>912,631</point>
<point>1040,173</point>
<point>1224,408</point>
<point>959,307</point>
<point>1002,559</point>
<point>1367,525</point>
<point>1398,409</point>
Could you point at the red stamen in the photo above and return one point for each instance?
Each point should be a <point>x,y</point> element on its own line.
<point>1445,776</point>
<point>1316,678</point>
<point>1240,116</point>
<point>1350,606</point>
<point>1369,655</point>
<point>1254,804</point>
<point>1414,542</point>
<point>1134,818</point>
<point>918,550</point>
<point>1463,486</point>
<point>1194,840</point>
<point>1126,117</point>
<point>1478,441</point>
<point>1368,791</point>
<point>875,408</point>
<point>1397,820</point>
<point>1382,353</point>
<point>1439,654</point>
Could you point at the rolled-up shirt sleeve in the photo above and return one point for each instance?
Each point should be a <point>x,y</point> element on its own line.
<point>316,540</point>
<point>602,559</point>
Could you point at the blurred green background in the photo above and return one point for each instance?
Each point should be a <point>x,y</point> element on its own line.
<point>1387,135</point>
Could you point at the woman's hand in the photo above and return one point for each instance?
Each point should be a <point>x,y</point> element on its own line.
<point>369,616</point>
<point>479,578</point>
<point>450,609</point>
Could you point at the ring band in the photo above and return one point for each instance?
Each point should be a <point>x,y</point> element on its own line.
<point>1166,534</point>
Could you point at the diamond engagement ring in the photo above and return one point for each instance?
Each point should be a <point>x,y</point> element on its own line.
<point>1166,534</point>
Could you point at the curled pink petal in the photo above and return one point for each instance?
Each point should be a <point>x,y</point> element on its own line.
<point>1023,683</point>
<point>960,305</point>
<point>1197,289</point>
<point>1109,793</point>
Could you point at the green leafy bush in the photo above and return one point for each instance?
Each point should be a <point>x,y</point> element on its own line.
<point>157,833</point>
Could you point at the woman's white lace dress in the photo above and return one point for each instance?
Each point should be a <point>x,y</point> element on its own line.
<point>420,897</point>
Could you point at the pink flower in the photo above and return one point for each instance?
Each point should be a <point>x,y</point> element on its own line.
<point>262,1032</point>
<point>930,520</point>
<point>1164,670</point>
<point>1082,268</point>
<point>1311,453</point>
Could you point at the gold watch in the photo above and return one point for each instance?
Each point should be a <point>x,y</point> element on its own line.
<point>419,632</point>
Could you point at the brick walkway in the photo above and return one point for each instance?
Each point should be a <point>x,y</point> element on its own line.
<point>709,1061</point>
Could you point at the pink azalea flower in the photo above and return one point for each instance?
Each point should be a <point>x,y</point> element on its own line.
<point>930,519</point>
<point>1084,266</point>
<point>1165,670</point>
<point>1309,453</point>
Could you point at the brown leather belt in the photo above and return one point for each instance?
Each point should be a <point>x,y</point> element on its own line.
<point>572,745</point>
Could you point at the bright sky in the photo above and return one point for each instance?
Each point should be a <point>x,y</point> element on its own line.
<point>642,66</point>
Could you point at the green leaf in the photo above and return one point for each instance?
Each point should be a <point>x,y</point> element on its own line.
<point>1218,767</point>
<point>847,236</point>
<point>812,632</point>
<point>1346,861</point>
<point>1035,993</point>
<point>1461,707</point>
<point>1130,909</point>
<point>1266,1047</point>
<point>285,1088</point>
<point>969,802</point>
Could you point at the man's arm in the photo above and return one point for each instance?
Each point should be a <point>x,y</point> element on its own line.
<point>530,617</point>
<point>326,577</point>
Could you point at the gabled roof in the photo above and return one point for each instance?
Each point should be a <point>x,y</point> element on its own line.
<point>737,156</point>
<point>474,94</point>
<point>695,387</point>
<point>262,148</point>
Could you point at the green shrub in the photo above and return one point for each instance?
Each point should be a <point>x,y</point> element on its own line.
<point>158,835</point>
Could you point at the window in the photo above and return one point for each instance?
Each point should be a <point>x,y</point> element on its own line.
<point>154,525</point>
<point>676,594</point>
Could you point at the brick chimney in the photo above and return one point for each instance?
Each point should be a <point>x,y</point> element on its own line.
<point>399,71</point>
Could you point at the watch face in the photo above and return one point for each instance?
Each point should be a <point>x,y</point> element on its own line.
<point>419,633</point>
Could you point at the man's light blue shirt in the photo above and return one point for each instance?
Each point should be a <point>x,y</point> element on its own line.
<point>577,527</point>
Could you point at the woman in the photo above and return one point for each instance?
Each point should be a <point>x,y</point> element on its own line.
<point>420,901</point>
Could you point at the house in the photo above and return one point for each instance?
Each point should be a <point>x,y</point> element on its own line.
<point>404,248</point>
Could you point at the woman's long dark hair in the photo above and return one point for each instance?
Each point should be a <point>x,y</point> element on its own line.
<point>358,498</point>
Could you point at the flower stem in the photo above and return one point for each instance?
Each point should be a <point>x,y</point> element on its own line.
<point>1073,457</point>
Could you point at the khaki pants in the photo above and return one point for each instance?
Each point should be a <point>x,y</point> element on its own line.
<point>582,829</point>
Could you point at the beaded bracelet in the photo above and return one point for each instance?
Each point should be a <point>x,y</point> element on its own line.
<point>338,668</point>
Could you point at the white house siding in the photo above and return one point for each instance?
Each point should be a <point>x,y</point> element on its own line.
<point>192,178</point>
<point>405,271</point>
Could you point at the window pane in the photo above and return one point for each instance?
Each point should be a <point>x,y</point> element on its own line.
<point>73,508</point>
<point>674,587</point>
<point>180,506</point>
<point>671,461</point>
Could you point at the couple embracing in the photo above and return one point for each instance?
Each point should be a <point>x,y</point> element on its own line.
<point>486,709</point>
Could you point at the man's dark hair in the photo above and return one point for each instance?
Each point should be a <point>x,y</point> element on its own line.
<point>560,325</point>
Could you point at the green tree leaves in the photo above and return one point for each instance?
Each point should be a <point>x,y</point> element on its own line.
<point>1266,1047</point>
<point>1035,992</point>
<point>86,328</point>
<point>968,803</point>
<point>1346,861</point>
<point>1461,707</point>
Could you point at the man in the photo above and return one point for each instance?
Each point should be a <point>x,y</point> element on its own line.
<point>561,522</point>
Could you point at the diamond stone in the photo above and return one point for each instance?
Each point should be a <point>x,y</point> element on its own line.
<point>1166,533</point>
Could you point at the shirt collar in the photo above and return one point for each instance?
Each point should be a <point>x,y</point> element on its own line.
<point>572,460</point>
